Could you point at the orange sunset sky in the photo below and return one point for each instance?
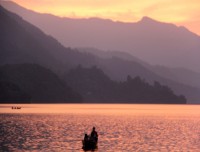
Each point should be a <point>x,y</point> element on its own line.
<point>179,12</point>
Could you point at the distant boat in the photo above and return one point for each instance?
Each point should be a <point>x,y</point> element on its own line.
<point>16,107</point>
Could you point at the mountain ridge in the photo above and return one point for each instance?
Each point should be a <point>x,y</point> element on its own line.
<point>12,5</point>
<point>66,58</point>
<point>154,42</point>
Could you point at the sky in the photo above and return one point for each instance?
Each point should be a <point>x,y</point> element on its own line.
<point>180,12</point>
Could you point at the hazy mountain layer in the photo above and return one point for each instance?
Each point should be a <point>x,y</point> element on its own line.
<point>119,64</point>
<point>21,42</point>
<point>181,75</point>
<point>150,40</point>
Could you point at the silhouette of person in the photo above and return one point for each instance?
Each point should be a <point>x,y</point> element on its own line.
<point>94,134</point>
<point>86,138</point>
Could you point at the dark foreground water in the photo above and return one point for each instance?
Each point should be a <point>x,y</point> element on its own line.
<point>121,127</point>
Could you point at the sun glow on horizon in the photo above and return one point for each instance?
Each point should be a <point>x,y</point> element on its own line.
<point>180,12</point>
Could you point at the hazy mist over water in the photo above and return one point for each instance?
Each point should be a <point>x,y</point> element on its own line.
<point>121,127</point>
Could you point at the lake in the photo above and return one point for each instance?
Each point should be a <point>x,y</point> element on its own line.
<point>121,127</point>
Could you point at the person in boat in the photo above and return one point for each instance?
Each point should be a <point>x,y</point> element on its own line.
<point>94,135</point>
<point>86,138</point>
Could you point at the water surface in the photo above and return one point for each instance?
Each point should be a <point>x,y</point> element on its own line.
<point>121,127</point>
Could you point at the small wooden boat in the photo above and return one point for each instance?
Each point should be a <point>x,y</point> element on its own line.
<point>89,145</point>
<point>16,107</point>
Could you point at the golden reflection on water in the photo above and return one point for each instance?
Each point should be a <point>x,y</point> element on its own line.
<point>121,127</point>
<point>130,109</point>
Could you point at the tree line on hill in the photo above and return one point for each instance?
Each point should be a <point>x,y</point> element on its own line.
<point>31,83</point>
<point>95,86</point>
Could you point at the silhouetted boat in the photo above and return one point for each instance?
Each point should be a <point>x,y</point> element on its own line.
<point>89,145</point>
<point>16,107</point>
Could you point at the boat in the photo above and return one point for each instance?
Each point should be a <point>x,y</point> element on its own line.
<point>16,107</point>
<point>89,145</point>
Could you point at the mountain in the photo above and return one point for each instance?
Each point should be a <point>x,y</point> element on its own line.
<point>21,43</point>
<point>181,75</point>
<point>33,84</point>
<point>152,41</point>
<point>120,64</point>
<point>10,93</point>
<point>110,54</point>
<point>95,86</point>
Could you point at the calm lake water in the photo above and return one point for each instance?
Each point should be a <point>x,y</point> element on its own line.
<point>121,127</point>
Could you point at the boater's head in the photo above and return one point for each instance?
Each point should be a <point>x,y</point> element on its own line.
<point>93,128</point>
